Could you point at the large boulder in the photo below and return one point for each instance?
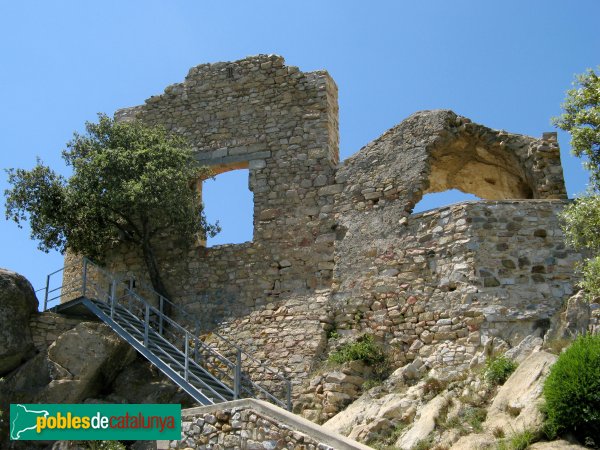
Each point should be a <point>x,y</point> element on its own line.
<point>475,442</point>
<point>424,424</point>
<point>17,303</point>
<point>89,357</point>
<point>516,405</point>
<point>574,320</point>
<point>140,382</point>
<point>82,363</point>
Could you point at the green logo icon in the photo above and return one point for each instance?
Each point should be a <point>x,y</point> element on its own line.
<point>94,422</point>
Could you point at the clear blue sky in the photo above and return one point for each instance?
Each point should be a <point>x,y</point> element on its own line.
<point>505,64</point>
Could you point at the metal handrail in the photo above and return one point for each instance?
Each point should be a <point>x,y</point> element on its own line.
<point>166,324</point>
<point>197,325</point>
<point>176,325</point>
<point>185,366</point>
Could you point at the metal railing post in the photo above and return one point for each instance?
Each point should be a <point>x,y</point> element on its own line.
<point>46,294</point>
<point>146,324</point>
<point>196,343</point>
<point>288,395</point>
<point>160,316</point>
<point>237,377</point>
<point>130,289</point>
<point>113,297</point>
<point>84,281</point>
<point>187,356</point>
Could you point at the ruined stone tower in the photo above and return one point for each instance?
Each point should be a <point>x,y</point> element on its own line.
<point>336,244</point>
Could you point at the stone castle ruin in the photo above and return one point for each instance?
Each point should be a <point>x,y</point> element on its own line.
<point>337,254</point>
<point>335,244</point>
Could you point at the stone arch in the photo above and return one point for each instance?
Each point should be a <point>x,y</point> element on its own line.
<point>433,151</point>
<point>483,164</point>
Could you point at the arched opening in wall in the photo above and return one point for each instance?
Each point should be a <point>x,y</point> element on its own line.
<point>228,200</point>
<point>472,168</point>
<point>438,199</point>
<point>488,170</point>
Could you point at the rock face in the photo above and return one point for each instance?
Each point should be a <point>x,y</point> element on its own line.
<point>516,406</point>
<point>140,382</point>
<point>424,424</point>
<point>80,364</point>
<point>574,320</point>
<point>475,442</point>
<point>17,303</point>
<point>86,358</point>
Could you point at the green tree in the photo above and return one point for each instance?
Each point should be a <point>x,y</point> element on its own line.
<point>581,118</point>
<point>581,219</point>
<point>130,183</point>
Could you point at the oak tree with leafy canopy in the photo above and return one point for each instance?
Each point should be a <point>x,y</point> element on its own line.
<point>581,219</point>
<point>581,118</point>
<point>131,183</point>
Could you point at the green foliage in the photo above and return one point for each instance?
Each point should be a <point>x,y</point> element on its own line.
<point>388,442</point>
<point>333,333</point>
<point>433,386</point>
<point>105,445</point>
<point>131,183</point>
<point>424,444</point>
<point>475,417</point>
<point>497,370</point>
<point>469,419</point>
<point>364,349</point>
<point>572,392</point>
<point>581,118</point>
<point>519,441</point>
<point>370,384</point>
<point>581,225</point>
<point>591,277</point>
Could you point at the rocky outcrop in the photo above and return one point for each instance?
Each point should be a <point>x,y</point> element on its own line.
<point>79,365</point>
<point>140,382</point>
<point>425,424</point>
<point>468,414</point>
<point>17,303</point>
<point>516,406</point>
<point>86,359</point>
<point>574,320</point>
<point>475,442</point>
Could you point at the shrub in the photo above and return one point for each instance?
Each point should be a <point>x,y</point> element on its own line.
<point>497,370</point>
<point>364,349</point>
<point>424,444</point>
<point>522,440</point>
<point>572,392</point>
<point>370,384</point>
<point>475,417</point>
<point>433,386</point>
<point>333,333</point>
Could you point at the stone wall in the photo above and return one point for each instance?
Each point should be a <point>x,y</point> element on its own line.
<point>251,424</point>
<point>47,326</point>
<point>336,244</point>
<point>282,124</point>
<point>459,274</point>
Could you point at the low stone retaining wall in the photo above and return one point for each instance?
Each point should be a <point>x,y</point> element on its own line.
<point>253,425</point>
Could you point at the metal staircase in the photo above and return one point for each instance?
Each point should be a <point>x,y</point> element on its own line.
<point>209,368</point>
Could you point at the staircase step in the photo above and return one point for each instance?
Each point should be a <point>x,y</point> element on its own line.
<point>199,377</point>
